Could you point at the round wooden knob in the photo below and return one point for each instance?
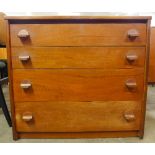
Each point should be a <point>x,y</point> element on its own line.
<point>131,57</point>
<point>131,84</point>
<point>133,33</point>
<point>27,116</point>
<point>23,34</point>
<point>129,116</point>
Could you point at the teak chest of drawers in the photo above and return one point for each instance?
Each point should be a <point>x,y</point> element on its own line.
<point>78,76</point>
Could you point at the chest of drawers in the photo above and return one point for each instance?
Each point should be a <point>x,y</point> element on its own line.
<point>78,77</point>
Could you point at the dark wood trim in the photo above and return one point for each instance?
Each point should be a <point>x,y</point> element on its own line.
<point>151,83</point>
<point>141,133</point>
<point>78,21</point>
<point>151,75</point>
<point>8,45</point>
<point>114,134</point>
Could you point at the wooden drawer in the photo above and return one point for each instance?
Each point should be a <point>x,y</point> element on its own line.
<point>77,85</point>
<point>77,116</point>
<point>80,34</point>
<point>78,57</point>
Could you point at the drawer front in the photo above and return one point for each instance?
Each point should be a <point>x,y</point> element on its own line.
<point>81,34</point>
<point>77,85</point>
<point>77,116</point>
<point>78,57</point>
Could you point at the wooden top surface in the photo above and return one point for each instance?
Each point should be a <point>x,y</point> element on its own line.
<point>78,17</point>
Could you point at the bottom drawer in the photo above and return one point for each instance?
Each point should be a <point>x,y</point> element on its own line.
<point>77,116</point>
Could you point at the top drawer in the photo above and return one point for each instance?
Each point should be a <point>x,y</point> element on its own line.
<point>83,34</point>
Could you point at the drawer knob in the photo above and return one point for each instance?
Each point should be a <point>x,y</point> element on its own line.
<point>131,57</point>
<point>131,84</point>
<point>133,33</point>
<point>129,117</point>
<point>27,116</point>
<point>24,58</point>
<point>25,85</point>
<point>23,34</point>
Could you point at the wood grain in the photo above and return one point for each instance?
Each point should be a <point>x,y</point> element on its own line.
<point>41,16</point>
<point>100,34</point>
<point>78,57</point>
<point>143,108</point>
<point>11,93</point>
<point>104,134</point>
<point>77,116</point>
<point>151,78</point>
<point>78,93</point>
<point>77,85</point>
<point>3,53</point>
<point>2,29</point>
